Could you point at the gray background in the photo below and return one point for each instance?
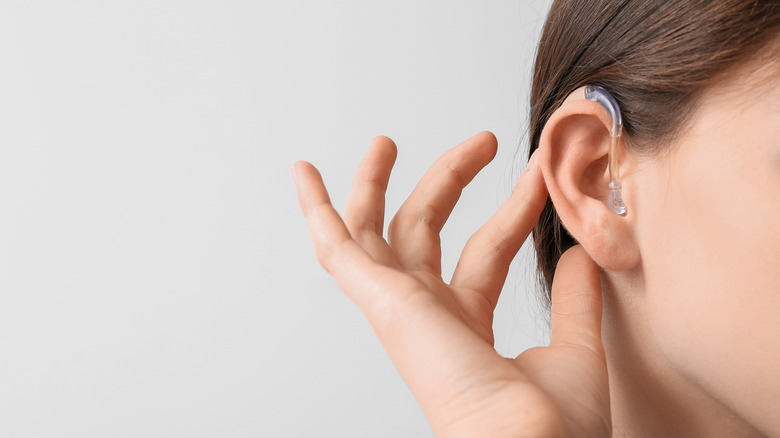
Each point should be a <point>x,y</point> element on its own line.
<point>156,276</point>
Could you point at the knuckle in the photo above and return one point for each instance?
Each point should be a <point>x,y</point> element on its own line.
<point>362,234</point>
<point>490,245</point>
<point>457,175</point>
<point>529,197</point>
<point>427,215</point>
<point>370,178</point>
<point>328,255</point>
<point>324,255</point>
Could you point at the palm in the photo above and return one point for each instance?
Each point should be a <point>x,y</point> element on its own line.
<point>440,335</point>
<point>467,305</point>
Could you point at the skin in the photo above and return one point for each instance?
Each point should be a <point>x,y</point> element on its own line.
<point>688,280</point>
<point>704,300</point>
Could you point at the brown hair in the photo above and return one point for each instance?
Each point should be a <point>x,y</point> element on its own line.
<point>655,58</point>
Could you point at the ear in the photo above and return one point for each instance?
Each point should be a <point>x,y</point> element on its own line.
<point>573,156</point>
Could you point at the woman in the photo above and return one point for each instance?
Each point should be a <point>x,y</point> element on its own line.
<point>688,280</point>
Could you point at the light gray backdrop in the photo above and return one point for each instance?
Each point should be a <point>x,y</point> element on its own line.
<point>156,276</point>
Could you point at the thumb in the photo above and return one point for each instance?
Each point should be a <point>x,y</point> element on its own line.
<point>576,302</point>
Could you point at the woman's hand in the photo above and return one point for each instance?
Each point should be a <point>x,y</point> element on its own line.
<point>440,335</point>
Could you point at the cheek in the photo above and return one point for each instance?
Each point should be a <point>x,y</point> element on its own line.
<point>711,257</point>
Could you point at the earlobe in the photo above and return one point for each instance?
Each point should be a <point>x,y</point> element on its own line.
<point>573,156</point>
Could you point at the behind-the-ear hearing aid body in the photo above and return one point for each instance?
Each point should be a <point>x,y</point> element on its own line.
<point>602,96</point>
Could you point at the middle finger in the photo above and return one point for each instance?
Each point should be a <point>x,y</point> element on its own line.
<point>414,231</point>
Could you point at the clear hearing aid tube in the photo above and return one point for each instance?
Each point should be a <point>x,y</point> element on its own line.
<point>602,96</point>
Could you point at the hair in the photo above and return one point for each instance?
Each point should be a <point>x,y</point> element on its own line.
<point>655,57</point>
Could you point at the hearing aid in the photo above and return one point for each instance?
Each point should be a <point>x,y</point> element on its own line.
<point>602,96</point>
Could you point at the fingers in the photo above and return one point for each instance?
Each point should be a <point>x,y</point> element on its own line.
<point>414,231</point>
<point>355,271</point>
<point>576,302</point>
<point>365,211</point>
<point>486,258</point>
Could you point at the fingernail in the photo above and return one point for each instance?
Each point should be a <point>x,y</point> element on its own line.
<point>292,171</point>
<point>532,160</point>
<point>531,163</point>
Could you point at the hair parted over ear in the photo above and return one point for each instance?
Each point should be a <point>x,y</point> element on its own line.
<point>654,57</point>
<point>573,156</point>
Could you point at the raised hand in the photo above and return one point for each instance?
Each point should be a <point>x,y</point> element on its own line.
<point>440,335</point>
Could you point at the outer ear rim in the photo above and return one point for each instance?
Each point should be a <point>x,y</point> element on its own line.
<point>607,237</point>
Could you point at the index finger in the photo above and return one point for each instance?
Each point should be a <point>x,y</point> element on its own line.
<point>486,258</point>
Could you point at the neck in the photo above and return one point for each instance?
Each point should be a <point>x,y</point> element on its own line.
<point>649,396</point>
